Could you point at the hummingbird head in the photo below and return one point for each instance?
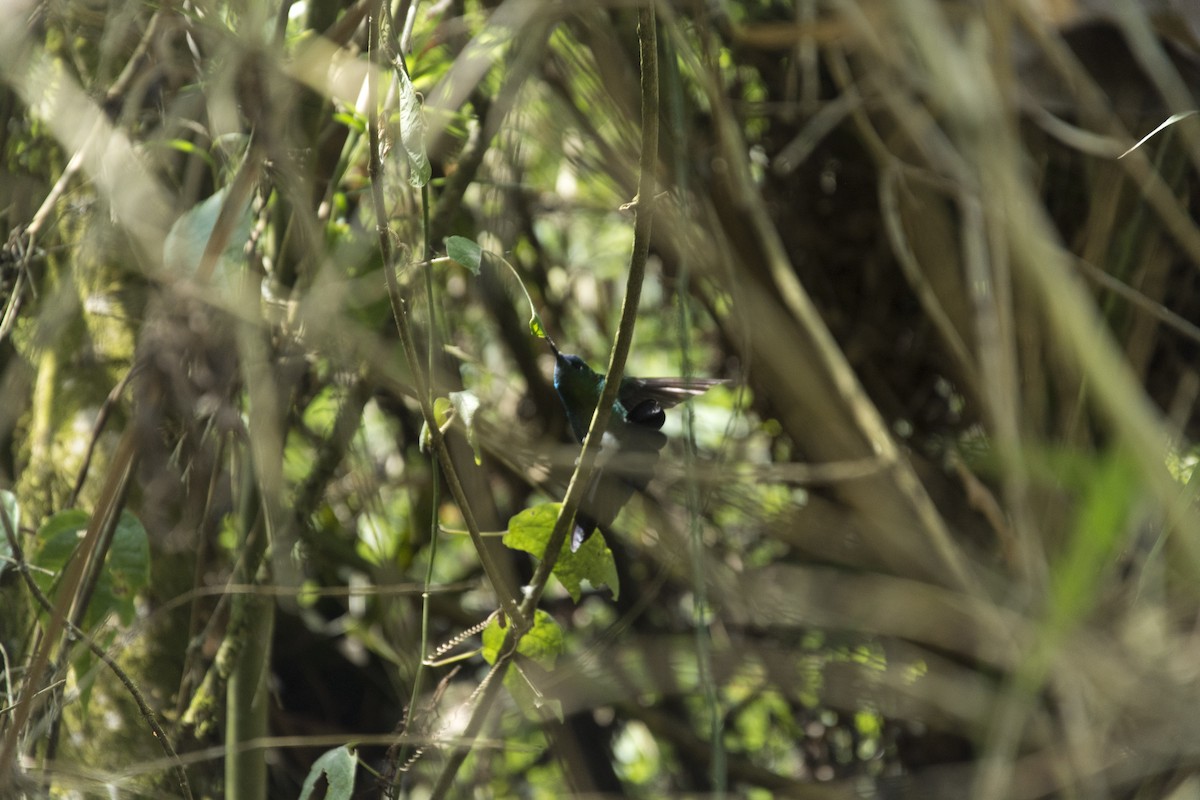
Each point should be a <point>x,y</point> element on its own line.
<point>578,386</point>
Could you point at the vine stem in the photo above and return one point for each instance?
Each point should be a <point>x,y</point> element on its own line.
<point>644,210</point>
<point>404,329</point>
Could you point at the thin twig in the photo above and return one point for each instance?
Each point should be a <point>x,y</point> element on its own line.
<point>102,416</point>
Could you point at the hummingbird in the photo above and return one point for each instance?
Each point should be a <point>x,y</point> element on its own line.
<point>631,444</point>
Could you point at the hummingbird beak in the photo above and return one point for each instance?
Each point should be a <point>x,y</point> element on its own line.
<point>554,347</point>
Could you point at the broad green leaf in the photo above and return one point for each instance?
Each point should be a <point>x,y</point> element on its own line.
<point>529,532</point>
<point>465,252</point>
<point>126,568</point>
<point>542,644</point>
<point>593,562</point>
<point>188,238</point>
<point>56,540</point>
<point>337,765</point>
<point>412,131</point>
<point>530,529</point>
<point>299,456</point>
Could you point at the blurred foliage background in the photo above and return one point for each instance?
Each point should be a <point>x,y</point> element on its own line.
<point>936,537</point>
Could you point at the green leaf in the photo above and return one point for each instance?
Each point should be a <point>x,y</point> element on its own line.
<point>529,532</point>
<point>425,441</point>
<point>355,122</point>
<point>337,766</point>
<point>412,132</point>
<point>593,562</point>
<point>56,540</point>
<point>188,238</point>
<point>465,252</point>
<point>321,414</point>
<point>1107,503</point>
<point>184,146</point>
<point>126,568</point>
<point>441,410</point>
<point>8,502</point>
<point>543,644</point>
<point>536,327</point>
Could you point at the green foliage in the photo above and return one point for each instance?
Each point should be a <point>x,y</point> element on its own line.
<point>188,239</point>
<point>412,131</point>
<point>529,532</point>
<point>337,765</point>
<point>126,571</point>
<point>542,645</point>
<point>940,521</point>
<point>465,252</point>
<point>1110,494</point>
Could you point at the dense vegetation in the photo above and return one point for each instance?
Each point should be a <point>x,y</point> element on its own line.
<point>283,474</point>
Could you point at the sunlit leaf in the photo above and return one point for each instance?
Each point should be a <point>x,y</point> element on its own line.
<point>354,122</point>
<point>441,410</point>
<point>185,146</point>
<point>322,412</point>
<point>536,327</point>
<point>543,643</point>
<point>529,531</point>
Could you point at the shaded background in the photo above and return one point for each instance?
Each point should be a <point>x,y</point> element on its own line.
<point>935,538</point>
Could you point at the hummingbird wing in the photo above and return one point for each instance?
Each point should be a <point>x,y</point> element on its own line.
<point>667,392</point>
<point>631,445</point>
